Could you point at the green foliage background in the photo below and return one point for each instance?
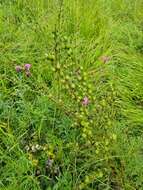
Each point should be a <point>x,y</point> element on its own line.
<point>98,146</point>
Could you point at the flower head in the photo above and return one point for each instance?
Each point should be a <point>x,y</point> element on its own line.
<point>85,101</point>
<point>27,67</point>
<point>18,68</point>
<point>105,59</point>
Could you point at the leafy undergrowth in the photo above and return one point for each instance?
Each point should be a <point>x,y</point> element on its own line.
<point>71,95</point>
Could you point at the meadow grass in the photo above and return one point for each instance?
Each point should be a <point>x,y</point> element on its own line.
<point>73,120</point>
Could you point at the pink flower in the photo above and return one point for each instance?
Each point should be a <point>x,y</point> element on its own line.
<point>105,59</point>
<point>27,67</point>
<point>18,68</point>
<point>85,101</point>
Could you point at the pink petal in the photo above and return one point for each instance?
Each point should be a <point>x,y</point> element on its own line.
<point>27,67</point>
<point>85,101</point>
<point>18,68</point>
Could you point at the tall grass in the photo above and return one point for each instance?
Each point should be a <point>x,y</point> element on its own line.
<point>74,121</point>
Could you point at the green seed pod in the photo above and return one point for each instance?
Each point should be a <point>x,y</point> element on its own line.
<point>84,135</point>
<point>67,77</point>
<point>87,180</point>
<point>100,174</point>
<point>84,130</point>
<point>53,69</point>
<point>89,86</point>
<point>69,52</point>
<point>79,78</point>
<point>66,86</point>
<point>82,113</point>
<point>60,101</point>
<point>50,95</point>
<point>63,81</point>
<point>114,136</point>
<point>97,151</point>
<point>73,86</point>
<point>81,116</point>
<point>89,132</point>
<point>51,57</point>
<point>91,121</point>
<point>90,92</point>
<point>62,74</point>
<point>84,84</point>
<point>85,78</point>
<point>103,102</point>
<point>58,66</point>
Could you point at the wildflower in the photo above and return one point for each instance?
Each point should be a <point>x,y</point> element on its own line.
<point>18,68</point>
<point>85,101</point>
<point>27,67</point>
<point>105,59</point>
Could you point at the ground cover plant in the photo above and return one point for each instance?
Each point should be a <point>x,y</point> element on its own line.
<point>71,94</point>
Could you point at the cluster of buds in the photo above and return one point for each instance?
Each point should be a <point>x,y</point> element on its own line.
<point>33,148</point>
<point>26,68</point>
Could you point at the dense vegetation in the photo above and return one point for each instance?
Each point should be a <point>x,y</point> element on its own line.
<point>71,94</point>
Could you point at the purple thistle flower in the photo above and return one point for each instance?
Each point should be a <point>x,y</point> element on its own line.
<point>18,68</point>
<point>27,67</point>
<point>105,59</point>
<point>85,101</point>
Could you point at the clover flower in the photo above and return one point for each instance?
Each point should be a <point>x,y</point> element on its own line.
<point>27,67</point>
<point>18,68</point>
<point>85,101</point>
